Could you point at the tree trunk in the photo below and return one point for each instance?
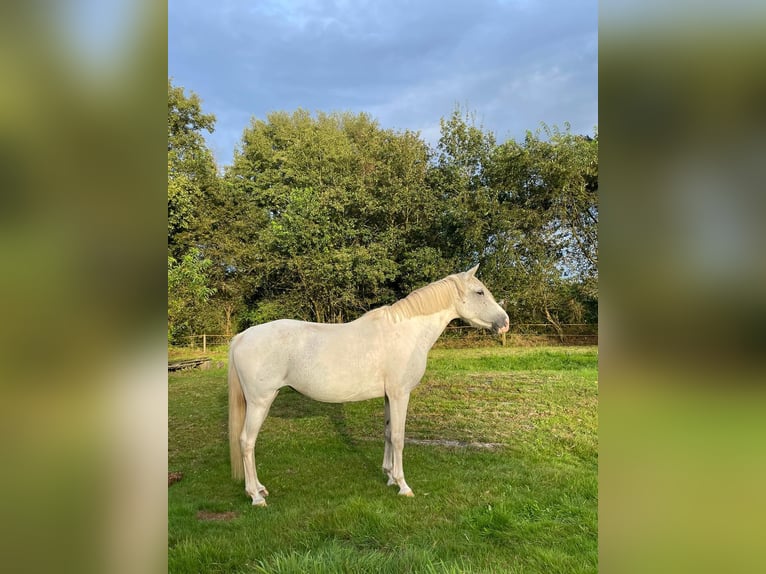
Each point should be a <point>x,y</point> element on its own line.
<point>228,309</point>
<point>555,324</point>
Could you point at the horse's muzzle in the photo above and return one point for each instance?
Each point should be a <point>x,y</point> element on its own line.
<point>502,325</point>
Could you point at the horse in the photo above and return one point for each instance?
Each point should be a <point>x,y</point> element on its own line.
<point>381,354</point>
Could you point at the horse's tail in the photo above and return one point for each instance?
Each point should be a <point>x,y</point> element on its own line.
<point>237,407</point>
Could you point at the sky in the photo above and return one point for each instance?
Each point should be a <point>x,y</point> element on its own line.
<point>511,63</point>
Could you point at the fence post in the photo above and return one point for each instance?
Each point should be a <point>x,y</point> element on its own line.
<point>503,339</point>
<point>204,343</point>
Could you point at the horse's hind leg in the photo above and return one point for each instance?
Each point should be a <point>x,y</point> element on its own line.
<point>388,462</point>
<point>257,409</point>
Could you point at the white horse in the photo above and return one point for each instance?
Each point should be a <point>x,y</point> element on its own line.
<point>381,354</point>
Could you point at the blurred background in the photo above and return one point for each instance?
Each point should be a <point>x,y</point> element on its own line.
<point>82,226</point>
<point>82,243</point>
<point>683,272</point>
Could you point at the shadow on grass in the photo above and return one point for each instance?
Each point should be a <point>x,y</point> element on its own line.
<point>290,404</point>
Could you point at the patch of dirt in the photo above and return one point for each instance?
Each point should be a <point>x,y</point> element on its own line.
<point>174,477</point>
<point>454,443</point>
<point>444,442</point>
<point>216,516</point>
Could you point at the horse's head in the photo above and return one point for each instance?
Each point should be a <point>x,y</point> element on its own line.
<point>476,304</point>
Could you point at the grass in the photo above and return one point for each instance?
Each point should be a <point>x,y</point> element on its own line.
<point>516,490</point>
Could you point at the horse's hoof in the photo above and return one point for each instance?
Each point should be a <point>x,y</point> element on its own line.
<point>407,492</point>
<point>260,502</point>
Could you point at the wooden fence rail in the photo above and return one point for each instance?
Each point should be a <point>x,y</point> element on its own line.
<point>573,332</point>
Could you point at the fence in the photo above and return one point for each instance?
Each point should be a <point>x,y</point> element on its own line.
<point>207,340</point>
<point>520,333</point>
<point>523,334</point>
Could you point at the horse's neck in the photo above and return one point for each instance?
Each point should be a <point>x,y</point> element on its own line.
<point>430,327</point>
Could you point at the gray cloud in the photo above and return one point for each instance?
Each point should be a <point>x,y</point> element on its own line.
<point>515,64</point>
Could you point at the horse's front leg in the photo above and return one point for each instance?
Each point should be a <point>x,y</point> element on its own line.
<point>398,412</point>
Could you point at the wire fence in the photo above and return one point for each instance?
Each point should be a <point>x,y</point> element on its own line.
<point>520,334</point>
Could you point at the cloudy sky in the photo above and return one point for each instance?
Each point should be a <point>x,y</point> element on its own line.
<point>514,63</point>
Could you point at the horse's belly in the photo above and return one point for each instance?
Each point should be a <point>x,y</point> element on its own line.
<point>337,385</point>
<point>336,394</point>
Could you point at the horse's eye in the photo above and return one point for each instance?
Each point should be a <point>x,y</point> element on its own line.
<point>480,292</point>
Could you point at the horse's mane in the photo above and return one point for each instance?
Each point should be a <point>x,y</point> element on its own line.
<point>424,301</point>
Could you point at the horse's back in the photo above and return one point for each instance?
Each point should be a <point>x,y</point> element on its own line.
<point>326,361</point>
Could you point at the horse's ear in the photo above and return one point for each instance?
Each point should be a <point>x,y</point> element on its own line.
<point>472,271</point>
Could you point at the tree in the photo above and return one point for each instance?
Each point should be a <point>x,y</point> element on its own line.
<point>344,209</point>
<point>546,191</point>
<point>188,291</point>
<point>459,177</point>
<point>191,167</point>
<point>192,179</point>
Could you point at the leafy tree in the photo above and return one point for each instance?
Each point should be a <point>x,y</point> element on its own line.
<point>192,178</point>
<point>191,167</point>
<point>344,209</point>
<point>547,206</point>
<point>460,179</point>
<point>188,292</point>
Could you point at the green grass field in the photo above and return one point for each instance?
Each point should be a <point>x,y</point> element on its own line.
<point>502,460</point>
